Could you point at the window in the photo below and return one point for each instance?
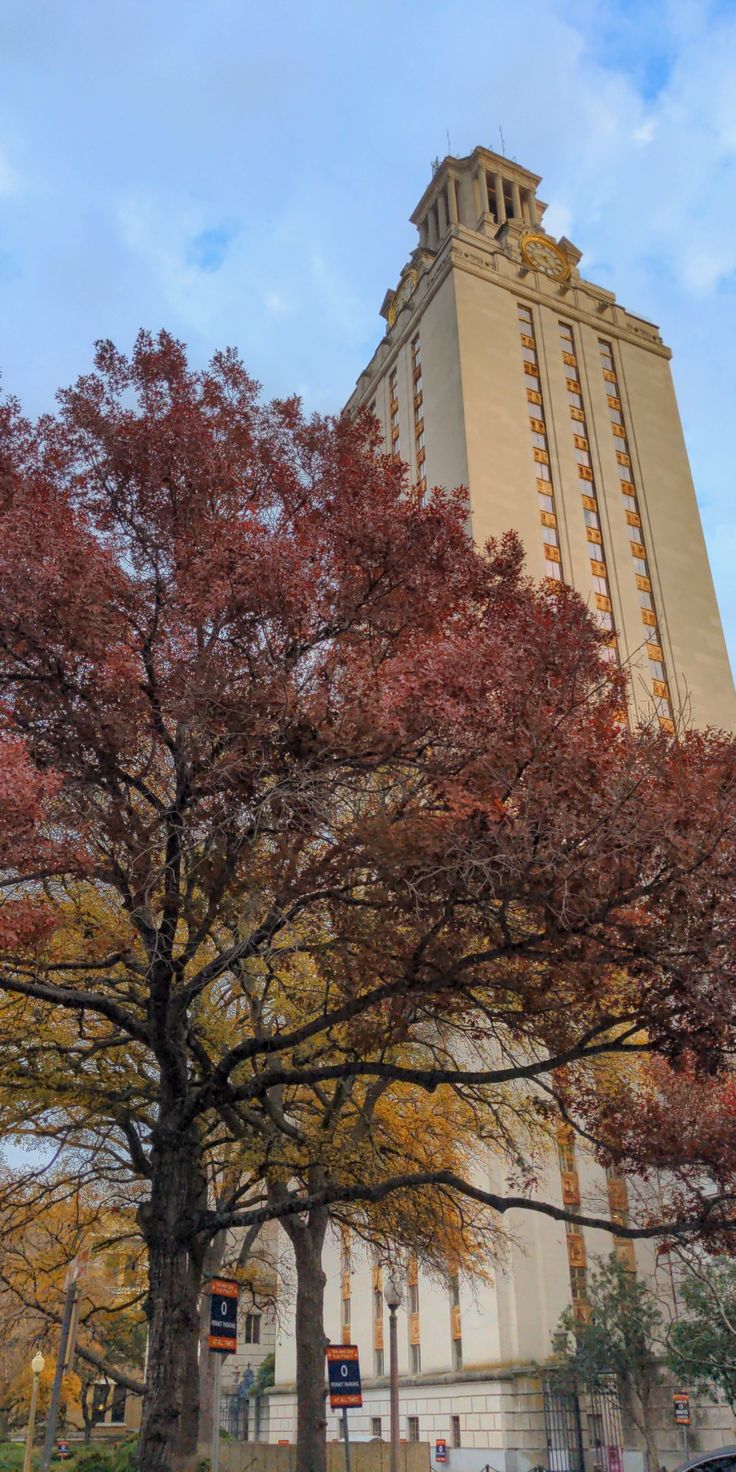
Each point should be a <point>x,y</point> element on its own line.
<point>378,1363</point>
<point>539,443</point>
<point>455,1430</point>
<point>117,1411</point>
<point>579,1282</point>
<point>100,1392</point>
<point>376,1427</point>
<point>377,1303</point>
<point>413,1298</point>
<point>454,1290</point>
<point>457,1354</point>
<point>566,1154</point>
<point>415,1358</point>
<point>252,1328</point>
<point>412,1427</point>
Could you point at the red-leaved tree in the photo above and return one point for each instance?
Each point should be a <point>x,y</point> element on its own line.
<point>307,791</point>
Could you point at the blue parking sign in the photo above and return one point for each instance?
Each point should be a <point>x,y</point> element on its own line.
<point>343,1375</point>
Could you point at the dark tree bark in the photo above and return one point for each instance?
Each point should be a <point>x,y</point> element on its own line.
<point>168,1437</point>
<point>307,1239</point>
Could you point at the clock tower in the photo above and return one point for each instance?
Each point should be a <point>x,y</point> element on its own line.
<point>504,369</point>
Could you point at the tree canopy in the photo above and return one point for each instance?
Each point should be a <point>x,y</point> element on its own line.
<point>301,792</point>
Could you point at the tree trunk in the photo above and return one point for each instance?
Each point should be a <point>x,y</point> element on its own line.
<point>642,1418</point>
<point>170,1223</point>
<point>307,1240</point>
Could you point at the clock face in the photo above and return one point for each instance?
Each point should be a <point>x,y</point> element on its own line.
<point>543,255</point>
<point>404,291</point>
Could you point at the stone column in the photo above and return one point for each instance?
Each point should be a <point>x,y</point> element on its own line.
<point>500,201</point>
<point>442,213</point>
<point>516,197</point>
<point>531,201</point>
<point>483,191</point>
<point>452,199</point>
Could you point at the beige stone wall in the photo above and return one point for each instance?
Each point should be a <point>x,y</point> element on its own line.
<point>365,1457</point>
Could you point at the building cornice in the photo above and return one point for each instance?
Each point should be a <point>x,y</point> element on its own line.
<point>465,250</point>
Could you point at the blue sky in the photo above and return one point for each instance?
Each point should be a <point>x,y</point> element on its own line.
<point>243,174</point>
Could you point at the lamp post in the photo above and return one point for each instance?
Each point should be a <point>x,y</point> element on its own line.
<point>37,1365</point>
<point>392,1295</point>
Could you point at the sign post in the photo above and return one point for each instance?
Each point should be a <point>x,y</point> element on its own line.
<point>681,1412</point>
<point>75,1271</point>
<point>343,1375</point>
<point>223,1339</point>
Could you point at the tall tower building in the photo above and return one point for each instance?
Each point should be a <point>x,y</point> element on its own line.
<point>503,369</point>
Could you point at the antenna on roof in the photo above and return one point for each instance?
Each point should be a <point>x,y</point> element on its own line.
<point>449,145</point>
<point>503,145</point>
<point>435,165</point>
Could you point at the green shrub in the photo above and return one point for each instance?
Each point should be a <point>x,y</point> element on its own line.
<point>92,1459</point>
<point>123,1460</point>
<point>11,1456</point>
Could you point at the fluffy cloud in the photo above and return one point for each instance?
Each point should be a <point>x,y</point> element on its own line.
<point>244,175</point>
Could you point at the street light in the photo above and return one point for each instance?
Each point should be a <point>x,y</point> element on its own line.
<point>392,1295</point>
<point>37,1365</point>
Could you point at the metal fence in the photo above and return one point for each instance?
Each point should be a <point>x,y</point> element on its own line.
<point>236,1417</point>
<point>562,1424</point>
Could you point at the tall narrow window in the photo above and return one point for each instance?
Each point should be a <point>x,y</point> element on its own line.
<point>539,444</point>
<point>588,493</point>
<point>659,685</point>
<point>252,1328</point>
<point>393,408</point>
<point>412,1304</point>
<point>418,391</point>
<point>576,1256</point>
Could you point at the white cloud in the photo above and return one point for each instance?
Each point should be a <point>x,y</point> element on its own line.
<point>645,132</point>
